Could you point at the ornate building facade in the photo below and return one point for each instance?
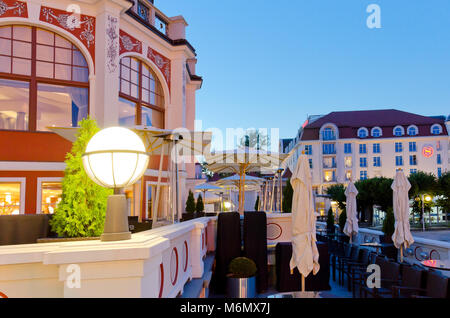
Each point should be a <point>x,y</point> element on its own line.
<point>122,62</point>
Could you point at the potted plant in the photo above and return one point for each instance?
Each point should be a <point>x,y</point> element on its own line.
<point>200,207</point>
<point>330,221</point>
<point>241,278</point>
<point>190,207</point>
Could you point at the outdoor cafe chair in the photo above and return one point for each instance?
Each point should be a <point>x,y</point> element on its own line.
<point>351,254</point>
<point>357,270</point>
<point>413,278</point>
<point>390,276</point>
<point>436,287</point>
<point>360,280</point>
<point>337,250</point>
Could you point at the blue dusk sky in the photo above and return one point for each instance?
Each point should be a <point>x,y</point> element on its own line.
<point>270,64</point>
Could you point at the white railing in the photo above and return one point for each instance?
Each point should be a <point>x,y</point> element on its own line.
<point>156,263</point>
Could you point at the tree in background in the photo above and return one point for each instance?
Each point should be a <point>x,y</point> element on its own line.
<point>337,193</point>
<point>190,203</point>
<point>330,221</point>
<point>200,207</point>
<point>81,212</point>
<point>255,138</point>
<point>288,193</point>
<point>389,225</point>
<point>443,190</point>
<point>257,204</point>
<point>422,183</point>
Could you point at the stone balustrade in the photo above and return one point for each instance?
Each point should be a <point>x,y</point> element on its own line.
<point>156,263</point>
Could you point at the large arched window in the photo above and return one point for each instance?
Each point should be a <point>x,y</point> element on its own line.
<point>141,96</point>
<point>43,80</point>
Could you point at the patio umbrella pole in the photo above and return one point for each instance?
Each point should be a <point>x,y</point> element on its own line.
<point>158,187</point>
<point>303,284</point>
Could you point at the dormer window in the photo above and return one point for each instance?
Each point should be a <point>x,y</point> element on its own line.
<point>399,131</point>
<point>377,132</point>
<point>328,134</point>
<point>413,130</point>
<point>363,132</point>
<point>436,129</point>
<point>143,11</point>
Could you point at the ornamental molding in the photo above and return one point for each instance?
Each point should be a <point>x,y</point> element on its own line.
<point>162,62</point>
<point>79,25</point>
<point>129,44</point>
<point>13,8</point>
<point>112,53</point>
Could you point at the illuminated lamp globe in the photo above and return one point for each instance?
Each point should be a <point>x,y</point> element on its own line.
<point>115,158</point>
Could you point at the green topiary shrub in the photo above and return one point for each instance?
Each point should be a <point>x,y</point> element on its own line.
<point>242,267</point>
<point>389,224</point>
<point>200,207</point>
<point>330,220</point>
<point>81,212</point>
<point>257,204</point>
<point>288,193</point>
<point>342,220</point>
<point>190,203</point>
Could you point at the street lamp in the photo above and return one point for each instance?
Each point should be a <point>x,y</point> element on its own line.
<point>115,158</point>
<point>425,198</point>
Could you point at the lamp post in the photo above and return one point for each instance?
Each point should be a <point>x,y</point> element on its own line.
<point>115,158</point>
<point>426,198</point>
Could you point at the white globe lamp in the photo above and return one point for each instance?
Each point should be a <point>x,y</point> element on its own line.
<point>115,158</point>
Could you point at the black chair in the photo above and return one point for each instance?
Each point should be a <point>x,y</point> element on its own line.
<point>437,286</point>
<point>255,246</point>
<point>357,270</point>
<point>359,280</point>
<point>334,254</point>
<point>346,255</point>
<point>413,278</point>
<point>344,263</point>
<point>228,248</point>
<point>390,276</point>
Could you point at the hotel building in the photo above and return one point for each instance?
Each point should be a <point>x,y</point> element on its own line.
<point>365,144</point>
<point>123,62</point>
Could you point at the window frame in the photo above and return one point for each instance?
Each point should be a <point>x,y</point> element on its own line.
<point>377,129</point>
<point>436,126</point>
<point>35,80</point>
<point>361,147</point>
<point>402,131</point>
<point>23,187</point>
<point>363,129</point>
<point>139,101</point>
<point>416,130</point>
<point>400,148</point>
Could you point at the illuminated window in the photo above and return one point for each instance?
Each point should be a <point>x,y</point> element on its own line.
<point>10,198</point>
<point>51,194</point>
<point>348,162</point>
<point>348,175</point>
<point>329,176</point>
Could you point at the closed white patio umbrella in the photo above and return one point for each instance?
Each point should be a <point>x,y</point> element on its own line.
<point>305,255</point>
<point>402,237</point>
<point>351,225</point>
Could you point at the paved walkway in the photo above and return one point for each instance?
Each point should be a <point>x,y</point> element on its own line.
<point>434,235</point>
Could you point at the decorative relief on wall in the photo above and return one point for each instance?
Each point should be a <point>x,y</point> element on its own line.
<point>82,26</point>
<point>162,62</point>
<point>129,43</point>
<point>112,53</point>
<point>13,8</point>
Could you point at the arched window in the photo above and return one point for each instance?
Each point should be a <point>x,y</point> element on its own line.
<point>363,132</point>
<point>141,97</point>
<point>377,132</point>
<point>399,131</point>
<point>44,80</point>
<point>413,130</point>
<point>436,129</point>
